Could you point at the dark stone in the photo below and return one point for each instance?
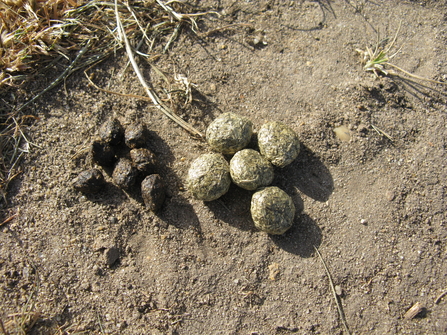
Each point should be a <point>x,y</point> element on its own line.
<point>125,174</point>
<point>153,191</point>
<point>103,153</point>
<point>90,181</point>
<point>111,255</point>
<point>144,160</point>
<point>112,132</point>
<point>135,136</point>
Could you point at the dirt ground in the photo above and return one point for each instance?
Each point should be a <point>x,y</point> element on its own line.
<point>374,205</point>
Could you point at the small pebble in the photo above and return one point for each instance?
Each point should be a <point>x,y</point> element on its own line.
<point>342,133</point>
<point>390,195</point>
<point>111,255</point>
<point>97,270</point>
<point>153,191</point>
<point>90,181</point>
<point>103,154</point>
<point>85,286</point>
<point>124,175</point>
<point>112,132</point>
<point>135,136</point>
<point>274,271</point>
<point>362,129</point>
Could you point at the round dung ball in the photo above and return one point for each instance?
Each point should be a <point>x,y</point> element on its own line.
<point>250,170</point>
<point>278,143</point>
<point>272,210</point>
<point>209,177</point>
<point>229,133</point>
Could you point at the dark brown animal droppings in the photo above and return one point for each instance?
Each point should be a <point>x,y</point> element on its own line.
<point>153,191</point>
<point>135,136</point>
<point>90,181</point>
<point>103,153</point>
<point>112,132</point>
<point>124,175</point>
<point>144,160</point>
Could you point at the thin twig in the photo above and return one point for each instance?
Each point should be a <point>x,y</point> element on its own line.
<point>99,322</point>
<point>442,295</point>
<point>129,95</point>
<point>381,132</point>
<point>337,301</point>
<point>2,327</point>
<point>181,17</point>
<point>8,220</point>
<point>173,37</point>
<point>412,75</point>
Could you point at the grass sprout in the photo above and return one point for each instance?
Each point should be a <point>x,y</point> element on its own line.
<point>377,60</point>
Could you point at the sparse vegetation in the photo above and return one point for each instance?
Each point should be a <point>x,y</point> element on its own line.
<point>377,60</point>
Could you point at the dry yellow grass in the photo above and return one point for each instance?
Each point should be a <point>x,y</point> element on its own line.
<point>33,32</point>
<point>30,29</point>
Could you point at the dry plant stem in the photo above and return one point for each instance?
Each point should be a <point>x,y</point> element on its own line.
<point>181,17</point>
<point>415,76</point>
<point>8,220</point>
<point>14,154</point>
<point>414,311</point>
<point>99,322</point>
<point>381,132</point>
<point>150,93</point>
<point>173,37</point>
<point>439,297</point>
<point>337,301</point>
<point>2,328</point>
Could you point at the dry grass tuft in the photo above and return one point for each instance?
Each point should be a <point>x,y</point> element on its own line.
<point>34,32</point>
<point>28,31</point>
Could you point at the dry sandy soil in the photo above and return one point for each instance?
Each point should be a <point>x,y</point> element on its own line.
<point>374,205</point>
